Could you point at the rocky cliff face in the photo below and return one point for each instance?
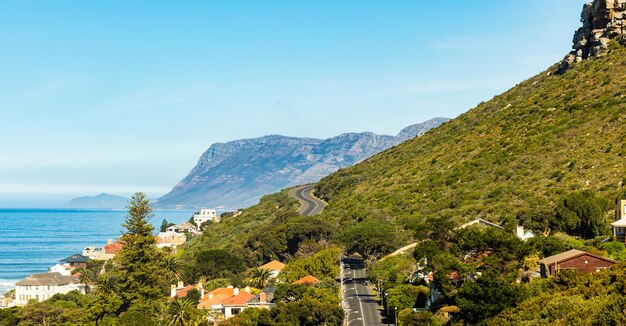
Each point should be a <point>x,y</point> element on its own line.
<point>603,21</point>
<point>236,174</point>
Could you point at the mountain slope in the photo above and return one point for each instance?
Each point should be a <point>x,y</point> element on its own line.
<point>101,201</point>
<point>512,156</point>
<point>236,174</point>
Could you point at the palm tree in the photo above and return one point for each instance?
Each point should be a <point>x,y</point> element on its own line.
<point>172,267</point>
<point>183,313</point>
<point>106,285</point>
<point>260,277</point>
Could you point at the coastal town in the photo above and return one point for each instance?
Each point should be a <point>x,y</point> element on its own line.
<point>225,301</point>
<point>313,163</point>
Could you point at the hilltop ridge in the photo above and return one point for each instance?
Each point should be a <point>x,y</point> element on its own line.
<point>236,174</point>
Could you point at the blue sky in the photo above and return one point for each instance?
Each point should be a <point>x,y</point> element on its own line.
<point>124,96</point>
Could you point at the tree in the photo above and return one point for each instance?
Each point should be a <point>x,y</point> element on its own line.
<point>183,312</point>
<point>165,224</point>
<point>582,213</point>
<point>172,267</point>
<point>405,296</point>
<point>371,238</point>
<point>260,276</point>
<point>140,264</point>
<point>486,297</point>
<point>324,264</point>
<point>215,263</point>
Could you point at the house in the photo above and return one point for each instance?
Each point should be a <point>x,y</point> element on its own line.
<point>205,215</point>
<point>619,226</point>
<point>275,267</point>
<point>43,286</point>
<point>263,300</point>
<point>236,304</point>
<point>170,239</point>
<point>112,248</point>
<point>574,260</point>
<point>520,232</point>
<point>480,222</point>
<point>307,280</point>
<point>93,252</point>
<point>62,269</point>
<point>181,291</point>
<point>524,234</point>
<point>183,227</point>
<point>75,261</point>
<point>231,301</point>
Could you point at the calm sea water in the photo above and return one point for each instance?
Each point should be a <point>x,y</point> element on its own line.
<point>34,239</point>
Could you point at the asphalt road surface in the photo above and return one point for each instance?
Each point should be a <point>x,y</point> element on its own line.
<point>360,306</point>
<point>310,204</point>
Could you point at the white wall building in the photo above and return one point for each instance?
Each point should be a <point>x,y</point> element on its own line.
<point>43,286</point>
<point>205,215</point>
<point>62,269</point>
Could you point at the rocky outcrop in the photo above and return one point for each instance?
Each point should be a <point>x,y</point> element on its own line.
<point>603,21</point>
<point>236,174</point>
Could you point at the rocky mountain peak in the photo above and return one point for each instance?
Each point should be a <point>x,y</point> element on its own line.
<point>603,21</point>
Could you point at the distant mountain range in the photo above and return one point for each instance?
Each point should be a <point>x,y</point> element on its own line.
<point>101,201</point>
<point>238,173</point>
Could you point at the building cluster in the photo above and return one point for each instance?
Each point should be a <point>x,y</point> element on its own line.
<point>60,279</point>
<point>226,302</point>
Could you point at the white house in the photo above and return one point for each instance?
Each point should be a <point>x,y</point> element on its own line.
<point>62,269</point>
<point>170,239</point>
<point>93,252</point>
<point>43,286</point>
<point>619,226</point>
<point>524,234</point>
<point>205,215</point>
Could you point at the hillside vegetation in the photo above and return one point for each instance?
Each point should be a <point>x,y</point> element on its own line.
<point>511,157</point>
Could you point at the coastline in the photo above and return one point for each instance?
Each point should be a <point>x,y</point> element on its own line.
<point>37,238</point>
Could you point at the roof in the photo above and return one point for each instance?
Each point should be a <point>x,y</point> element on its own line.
<point>113,248</point>
<point>181,293</point>
<point>274,265</point>
<point>76,258</point>
<point>227,291</point>
<point>185,225</point>
<point>480,221</point>
<point>619,224</point>
<point>47,279</point>
<point>309,279</point>
<point>269,295</point>
<point>570,254</point>
<point>210,302</point>
<point>240,299</point>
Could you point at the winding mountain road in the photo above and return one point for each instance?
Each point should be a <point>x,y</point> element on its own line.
<point>310,205</point>
<point>360,306</point>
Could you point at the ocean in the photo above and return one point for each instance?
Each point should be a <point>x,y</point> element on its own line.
<point>33,240</point>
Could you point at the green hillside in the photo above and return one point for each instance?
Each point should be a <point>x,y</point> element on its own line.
<point>512,156</point>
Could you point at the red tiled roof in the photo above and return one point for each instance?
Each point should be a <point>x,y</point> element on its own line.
<point>208,303</point>
<point>309,279</point>
<point>183,292</point>
<point>239,300</point>
<point>113,248</point>
<point>274,265</point>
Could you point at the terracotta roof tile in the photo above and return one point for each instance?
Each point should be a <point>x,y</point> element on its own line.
<point>309,279</point>
<point>274,265</point>
<point>239,300</point>
<point>207,303</point>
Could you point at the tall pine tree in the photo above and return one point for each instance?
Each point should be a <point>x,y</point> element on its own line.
<point>140,264</point>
